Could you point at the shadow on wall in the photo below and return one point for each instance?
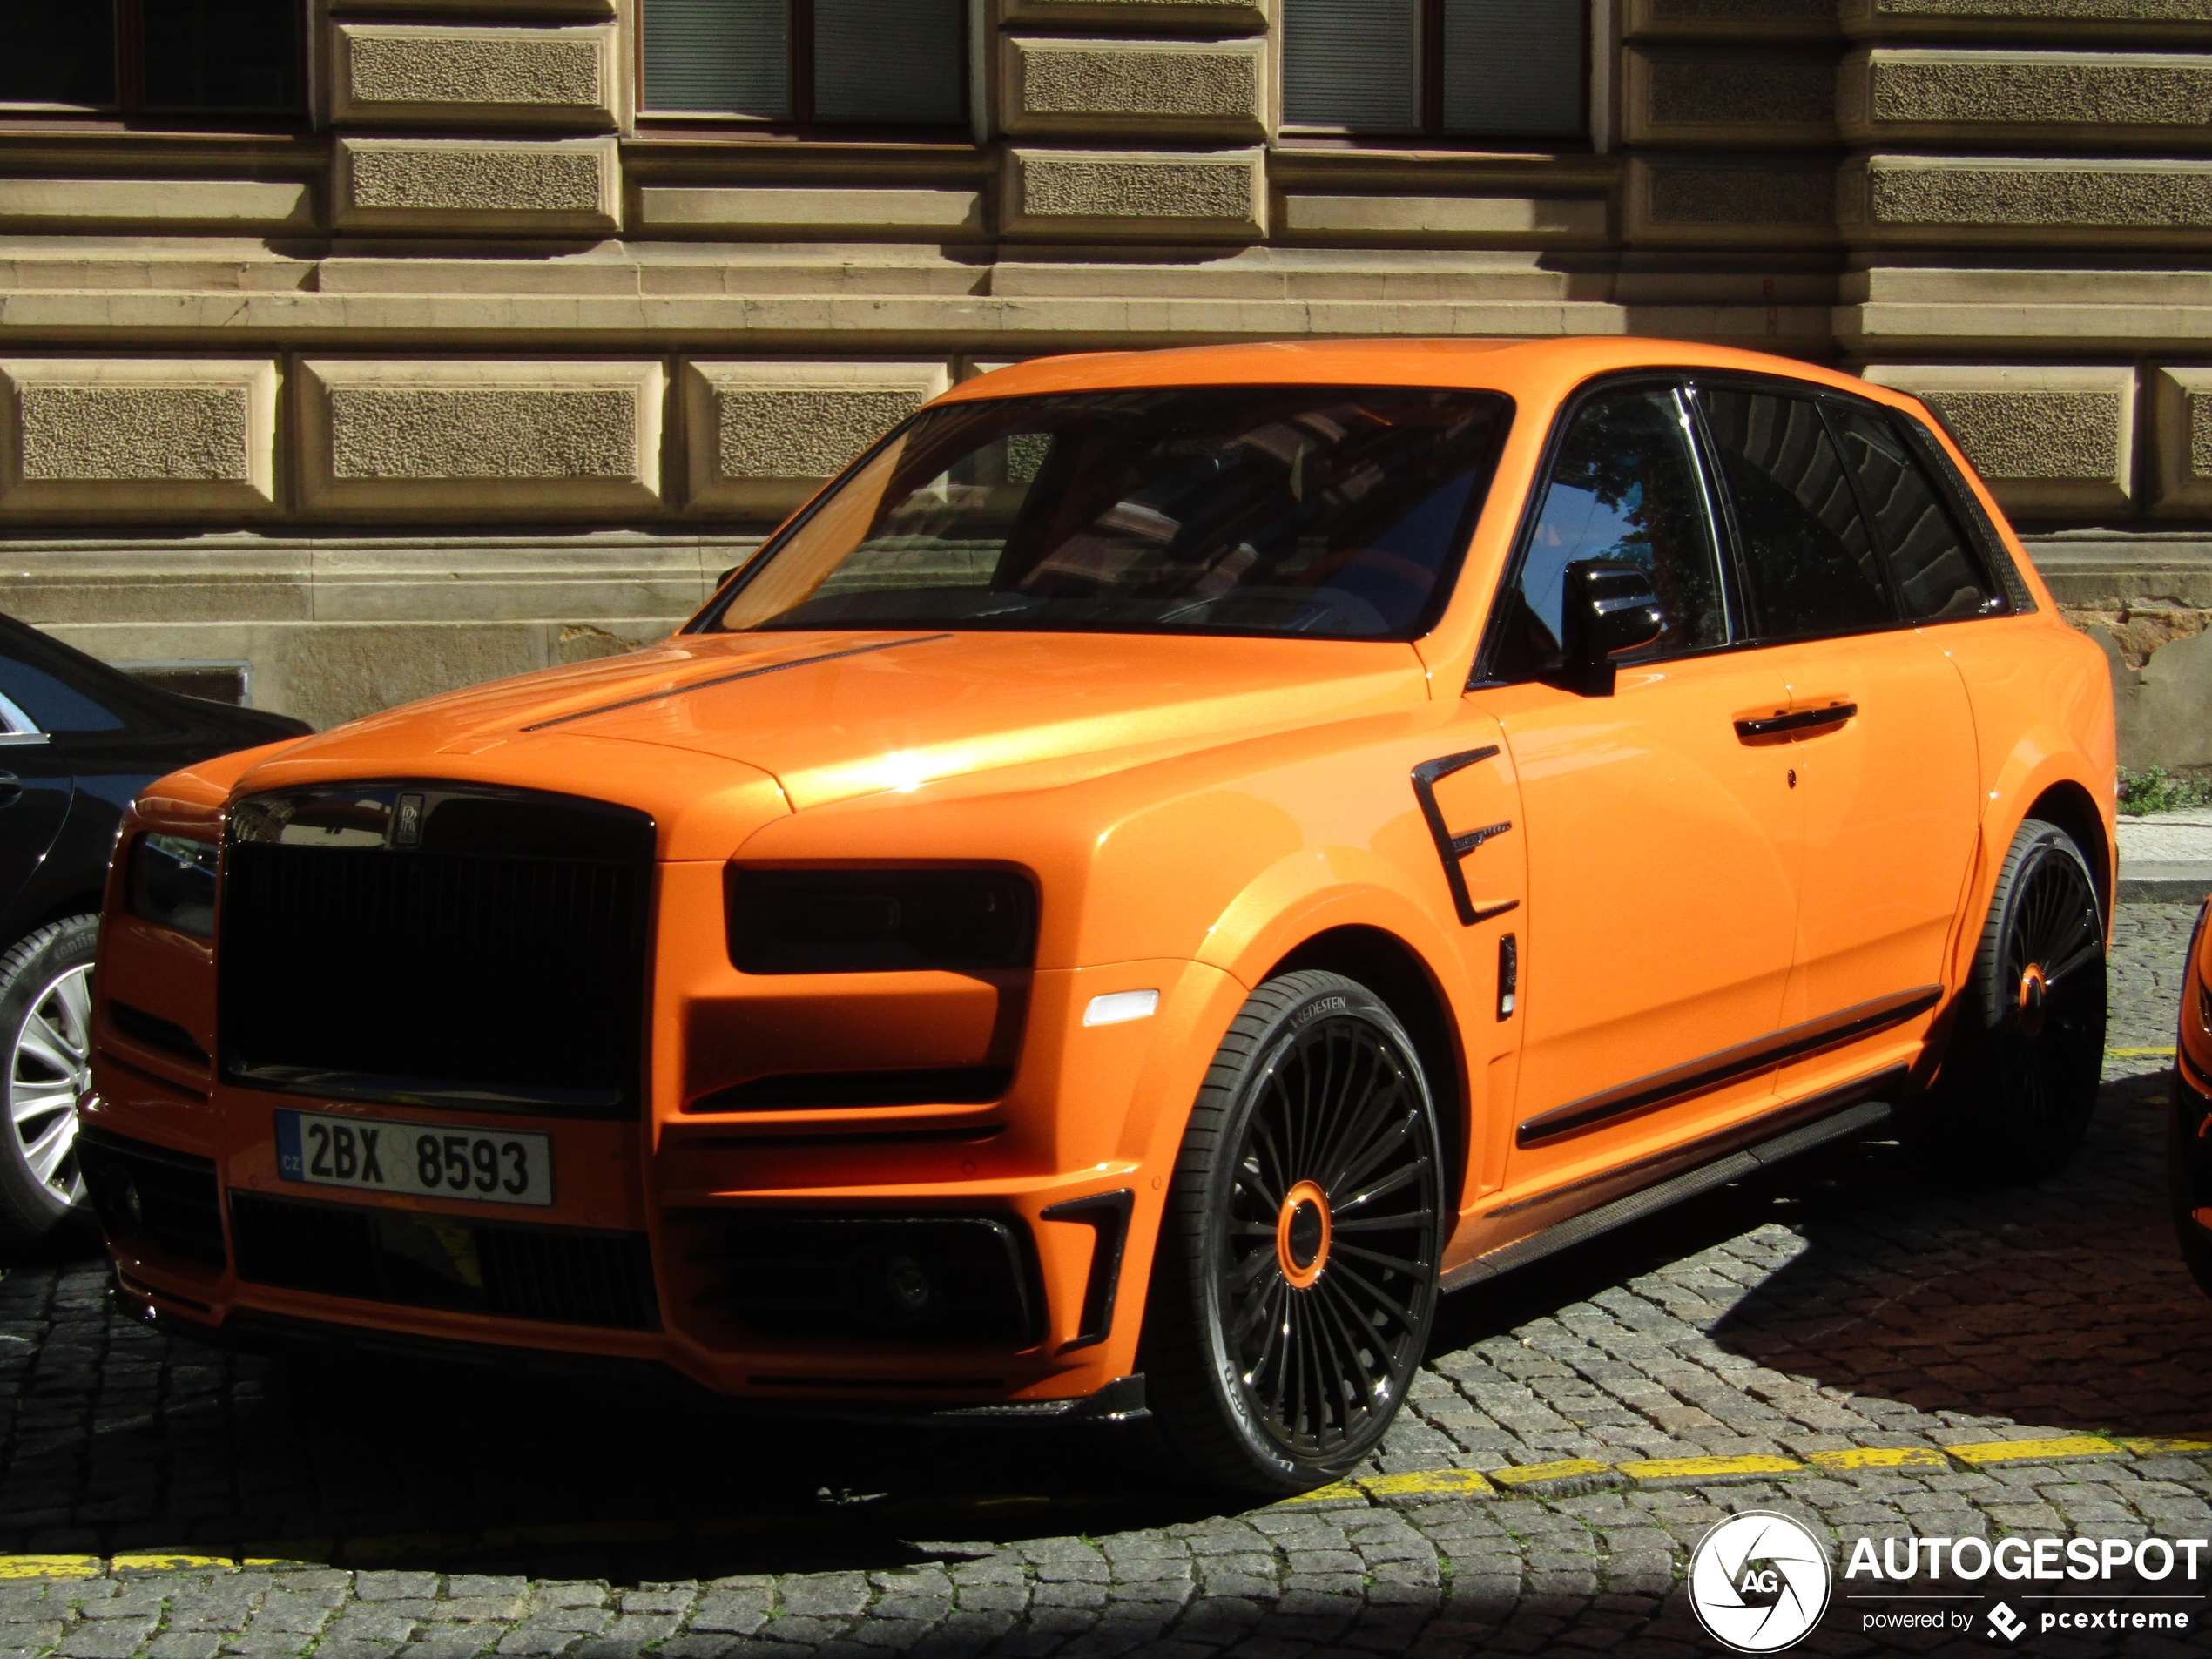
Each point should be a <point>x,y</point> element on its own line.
<point>2161,684</point>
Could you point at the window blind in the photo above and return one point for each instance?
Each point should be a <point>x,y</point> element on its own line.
<point>1353,64</point>
<point>718,57</point>
<point>1514,67</point>
<point>888,60</point>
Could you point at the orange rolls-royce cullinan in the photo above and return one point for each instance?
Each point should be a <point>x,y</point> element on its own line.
<point>1170,863</point>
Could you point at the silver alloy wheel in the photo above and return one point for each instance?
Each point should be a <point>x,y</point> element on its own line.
<point>50,1071</point>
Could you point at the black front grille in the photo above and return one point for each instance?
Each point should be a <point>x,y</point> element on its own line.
<point>561,1275</point>
<point>152,1198</point>
<point>491,954</point>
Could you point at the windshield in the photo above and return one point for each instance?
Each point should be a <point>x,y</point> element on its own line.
<point>1329,511</point>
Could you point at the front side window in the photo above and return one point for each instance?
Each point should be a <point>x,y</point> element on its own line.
<point>885,63</point>
<point>1810,562</point>
<point>1624,488</point>
<point>157,56</point>
<point>1937,578</point>
<point>1326,510</point>
<point>1479,68</point>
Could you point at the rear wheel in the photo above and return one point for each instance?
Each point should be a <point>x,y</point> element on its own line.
<point>1295,1281</point>
<point>45,1034</point>
<point>2027,1049</point>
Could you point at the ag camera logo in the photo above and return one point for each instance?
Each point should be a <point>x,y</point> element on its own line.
<point>1759,1582</point>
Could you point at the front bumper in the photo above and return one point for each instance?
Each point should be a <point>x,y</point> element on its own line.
<point>704,1215</point>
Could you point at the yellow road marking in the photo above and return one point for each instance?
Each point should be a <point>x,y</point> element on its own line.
<point>1359,1491</point>
<point>1682,1468</point>
<point>160,1560</point>
<point>2140,1054</point>
<point>1982,1453</point>
<point>1880,1457</point>
<point>2151,1445</point>
<point>1442,1483</point>
<point>1566,1469</point>
<point>21,1567</point>
<point>1338,1492</point>
<point>308,1552</point>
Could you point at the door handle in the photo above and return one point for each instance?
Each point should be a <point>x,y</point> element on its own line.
<point>11,789</point>
<point>1796,720</point>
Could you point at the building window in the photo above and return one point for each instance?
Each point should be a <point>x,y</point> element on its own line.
<point>1474,68</point>
<point>887,63</point>
<point>154,56</point>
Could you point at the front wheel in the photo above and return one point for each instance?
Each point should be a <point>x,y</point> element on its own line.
<point>45,1033</point>
<point>2027,1050</point>
<point>1295,1281</point>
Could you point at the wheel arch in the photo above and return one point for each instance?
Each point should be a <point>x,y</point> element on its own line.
<point>2071,807</point>
<point>1398,973</point>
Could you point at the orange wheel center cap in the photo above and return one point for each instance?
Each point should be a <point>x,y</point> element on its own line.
<point>2034,989</point>
<point>1302,1234</point>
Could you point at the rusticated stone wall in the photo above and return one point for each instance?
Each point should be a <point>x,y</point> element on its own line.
<point>386,74</point>
<point>481,299</point>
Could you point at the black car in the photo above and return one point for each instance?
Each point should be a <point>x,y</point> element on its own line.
<point>77,741</point>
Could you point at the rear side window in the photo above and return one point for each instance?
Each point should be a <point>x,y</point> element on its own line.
<point>1938,578</point>
<point>1624,488</point>
<point>1808,558</point>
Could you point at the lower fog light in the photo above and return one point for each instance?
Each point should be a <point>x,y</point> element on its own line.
<point>908,1287</point>
<point>129,1208</point>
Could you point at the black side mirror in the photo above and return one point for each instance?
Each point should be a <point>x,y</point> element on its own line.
<point>1606,608</point>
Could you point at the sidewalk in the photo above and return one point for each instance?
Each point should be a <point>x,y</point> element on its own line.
<point>2166,858</point>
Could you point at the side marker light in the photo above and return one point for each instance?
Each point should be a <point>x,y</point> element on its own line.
<point>1119,1007</point>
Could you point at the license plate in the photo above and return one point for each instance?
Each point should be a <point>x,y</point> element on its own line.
<point>422,1160</point>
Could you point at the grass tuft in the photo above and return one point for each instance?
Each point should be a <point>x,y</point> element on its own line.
<point>2156,790</point>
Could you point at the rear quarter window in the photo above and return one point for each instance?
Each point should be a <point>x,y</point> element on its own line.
<point>52,704</point>
<point>1980,526</point>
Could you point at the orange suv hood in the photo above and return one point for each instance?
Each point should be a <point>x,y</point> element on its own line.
<point>832,716</point>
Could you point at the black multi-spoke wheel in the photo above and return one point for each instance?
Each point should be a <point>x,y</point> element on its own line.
<point>2028,1046</point>
<point>1295,1278</point>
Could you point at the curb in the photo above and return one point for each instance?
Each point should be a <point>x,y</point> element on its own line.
<point>1578,1477</point>
<point>2149,883</point>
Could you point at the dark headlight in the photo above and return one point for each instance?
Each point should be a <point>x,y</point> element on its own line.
<point>172,883</point>
<point>874,921</point>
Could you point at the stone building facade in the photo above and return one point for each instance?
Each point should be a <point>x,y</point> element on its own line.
<point>480,354</point>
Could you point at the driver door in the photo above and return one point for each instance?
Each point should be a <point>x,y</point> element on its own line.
<point>1663,842</point>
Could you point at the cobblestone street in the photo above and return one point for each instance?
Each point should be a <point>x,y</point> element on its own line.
<point>1858,1336</point>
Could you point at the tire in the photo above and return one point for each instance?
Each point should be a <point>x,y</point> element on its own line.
<point>45,1006</point>
<point>2019,1083</point>
<point>1276,1348</point>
